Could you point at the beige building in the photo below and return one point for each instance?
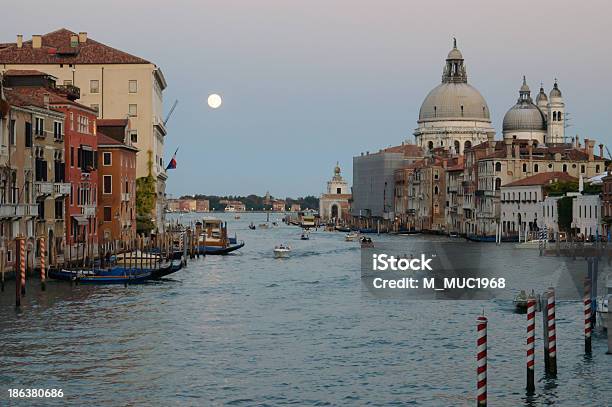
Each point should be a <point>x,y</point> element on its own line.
<point>114,82</point>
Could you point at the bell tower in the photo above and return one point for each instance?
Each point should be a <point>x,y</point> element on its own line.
<point>556,117</point>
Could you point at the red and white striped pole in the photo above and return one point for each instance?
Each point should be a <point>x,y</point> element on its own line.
<point>22,264</point>
<point>481,361</point>
<point>587,315</point>
<point>552,332</point>
<point>43,269</point>
<point>531,311</point>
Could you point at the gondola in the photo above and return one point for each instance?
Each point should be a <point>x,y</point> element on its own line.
<point>116,275</point>
<point>166,270</point>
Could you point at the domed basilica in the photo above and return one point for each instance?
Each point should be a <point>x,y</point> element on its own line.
<point>454,115</point>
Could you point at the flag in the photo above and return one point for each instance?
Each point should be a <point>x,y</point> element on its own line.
<point>172,163</point>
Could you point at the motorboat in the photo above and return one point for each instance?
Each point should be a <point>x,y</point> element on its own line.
<point>366,242</point>
<point>263,226</point>
<point>212,237</point>
<point>520,302</point>
<point>351,236</point>
<point>282,251</point>
<point>252,226</point>
<point>305,236</point>
<point>531,244</point>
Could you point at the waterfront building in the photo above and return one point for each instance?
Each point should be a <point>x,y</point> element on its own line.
<point>278,205</point>
<point>334,204</point>
<point>295,207</point>
<point>117,191</point>
<point>606,203</point>
<point>173,205</point>
<point>586,216</point>
<point>454,194</point>
<point>454,115</point>
<point>202,205</point>
<point>187,204</point>
<point>236,206</point>
<point>374,182</point>
<point>522,202</point>
<point>35,171</point>
<point>113,82</point>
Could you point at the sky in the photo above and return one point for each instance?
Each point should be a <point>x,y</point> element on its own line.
<point>308,83</point>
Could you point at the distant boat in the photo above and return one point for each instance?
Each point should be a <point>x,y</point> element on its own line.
<point>282,251</point>
<point>236,216</point>
<point>117,275</point>
<point>366,242</point>
<point>342,229</point>
<point>252,226</point>
<point>477,238</point>
<point>351,237</point>
<point>367,230</point>
<point>305,236</point>
<point>520,302</point>
<point>264,226</point>
<point>453,234</point>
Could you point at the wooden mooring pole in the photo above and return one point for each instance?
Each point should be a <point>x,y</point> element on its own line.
<point>543,307</point>
<point>552,332</point>
<point>481,361</point>
<point>587,315</point>
<point>531,311</point>
<point>43,269</point>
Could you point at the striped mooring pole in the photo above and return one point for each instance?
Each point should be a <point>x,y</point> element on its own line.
<point>22,264</point>
<point>481,361</point>
<point>587,315</point>
<point>43,269</point>
<point>552,332</point>
<point>531,311</point>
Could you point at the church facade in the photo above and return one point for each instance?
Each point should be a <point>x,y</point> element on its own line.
<point>334,204</point>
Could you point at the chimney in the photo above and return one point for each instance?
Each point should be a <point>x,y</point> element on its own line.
<point>576,142</point>
<point>82,37</point>
<point>19,41</point>
<point>508,143</point>
<point>36,41</point>
<point>74,40</point>
<point>46,100</point>
<point>601,146</point>
<point>586,145</point>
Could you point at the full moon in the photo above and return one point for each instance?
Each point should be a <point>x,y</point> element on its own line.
<point>214,101</point>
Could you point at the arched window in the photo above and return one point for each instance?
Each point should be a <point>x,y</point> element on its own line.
<point>536,168</point>
<point>597,168</point>
<point>524,167</point>
<point>497,184</point>
<point>461,110</point>
<point>564,167</point>
<point>457,146</point>
<point>558,116</point>
<point>430,145</point>
<point>582,169</point>
<point>554,116</point>
<point>467,144</point>
<point>497,166</point>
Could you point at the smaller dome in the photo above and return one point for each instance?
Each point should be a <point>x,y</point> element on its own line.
<point>454,54</point>
<point>555,92</point>
<point>524,118</point>
<point>541,96</point>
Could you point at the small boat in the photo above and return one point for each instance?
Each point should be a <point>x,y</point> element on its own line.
<point>408,232</point>
<point>531,244</point>
<point>263,226</point>
<point>603,311</point>
<point>274,224</point>
<point>479,238</point>
<point>520,302</point>
<point>342,229</point>
<point>212,237</point>
<point>305,236</point>
<point>236,216</point>
<point>367,230</point>
<point>252,226</point>
<point>117,275</point>
<point>366,242</point>
<point>171,268</point>
<point>282,251</point>
<point>351,236</point>
<point>453,235</point>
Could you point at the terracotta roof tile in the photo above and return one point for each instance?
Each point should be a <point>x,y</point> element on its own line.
<point>112,122</point>
<point>56,49</point>
<point>542,178</point>
<point>411,150</point>
<point>25,72</point>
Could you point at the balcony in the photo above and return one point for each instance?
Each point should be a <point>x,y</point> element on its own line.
<point>88,210</point>
<point>125,197</point>
<point>61,188</point>
<point>7,211</point>
<point>10,211</point>
<point>43,188</point>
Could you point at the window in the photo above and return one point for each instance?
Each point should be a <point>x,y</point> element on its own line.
<point>72,156</point>
<point>582,169</point>
<point>338,190</point>
<point>497,167</point>
<point>108,184</point>
<point>536,168</point>
<point>597,168</point>
<point>12,137</point>
<point>39,126</point>
<point>524,167</point>
<point>108,214</point>
<point>134,136</point>
<point>94,86</point>
<point>28,134</point>
<point>83,124</point>
<point>564,167</point>
<point>133,110</point>
<point>58,130</point>
<point>59,209</point>
<point>71,121</point>
<point>106,159</point>
<point>133,86</point>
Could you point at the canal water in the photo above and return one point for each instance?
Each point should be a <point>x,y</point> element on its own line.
<point>247,329</point>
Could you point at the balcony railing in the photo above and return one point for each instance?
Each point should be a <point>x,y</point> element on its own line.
<point>18,210</point>
<point>88,210</point>
<point>61,188</point>
<point>43,188</point>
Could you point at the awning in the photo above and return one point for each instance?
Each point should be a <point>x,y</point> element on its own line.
<point>80,220</point>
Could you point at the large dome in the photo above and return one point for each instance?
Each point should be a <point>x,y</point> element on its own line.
<point>454,101</point>
<point>524,115</point>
